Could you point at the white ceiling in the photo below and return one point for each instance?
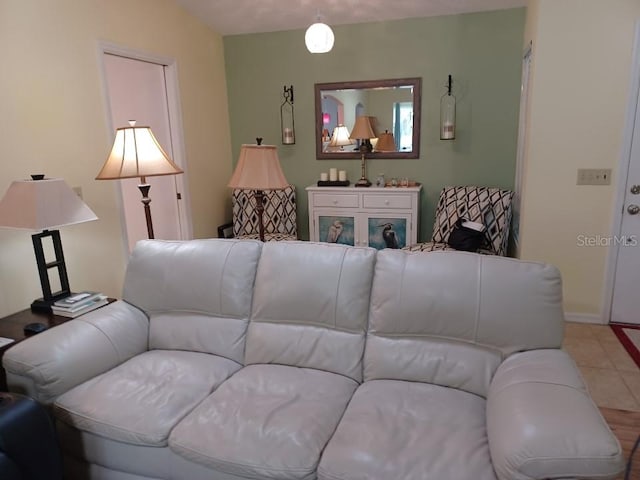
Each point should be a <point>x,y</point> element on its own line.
<point>232,17</point>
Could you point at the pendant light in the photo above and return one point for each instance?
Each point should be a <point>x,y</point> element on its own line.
<point>319,37</point>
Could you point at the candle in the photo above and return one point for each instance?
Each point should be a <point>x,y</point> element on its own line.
<point>324,176</point>
<point>342,175</point>
<point>333,174</point>
<point>288,137</point>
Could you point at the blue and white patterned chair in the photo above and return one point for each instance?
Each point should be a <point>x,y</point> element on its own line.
<point>279,217</point>
<point>489,206</point>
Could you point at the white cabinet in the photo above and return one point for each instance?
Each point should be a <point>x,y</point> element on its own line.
<point>375,217</point>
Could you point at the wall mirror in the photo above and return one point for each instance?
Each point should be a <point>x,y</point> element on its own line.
<point>392,107</point>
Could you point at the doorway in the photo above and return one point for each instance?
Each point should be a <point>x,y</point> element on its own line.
<point>625,292</point>
<point>137,88</point>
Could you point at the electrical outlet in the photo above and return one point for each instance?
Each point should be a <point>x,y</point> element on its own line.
<point>594,176</point>
<point>78,191</point>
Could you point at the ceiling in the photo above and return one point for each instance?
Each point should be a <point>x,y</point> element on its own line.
<point>233,17</point>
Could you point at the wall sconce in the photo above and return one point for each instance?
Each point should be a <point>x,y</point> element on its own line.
<point>448,114</point>
<point>287,123</point>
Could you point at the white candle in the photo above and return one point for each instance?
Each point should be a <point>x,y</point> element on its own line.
<point>324,176</point>
<point>333,174</point>
<point>288,136</point>
<point>342,175</point>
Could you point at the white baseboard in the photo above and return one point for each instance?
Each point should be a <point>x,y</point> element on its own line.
<point>584,318</point>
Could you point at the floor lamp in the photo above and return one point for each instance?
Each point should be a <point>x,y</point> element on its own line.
<point>137,153</point>
<point>258,169</point>
<point>44,205</point>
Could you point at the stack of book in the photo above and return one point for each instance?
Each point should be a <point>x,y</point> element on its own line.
<point>78,303</point>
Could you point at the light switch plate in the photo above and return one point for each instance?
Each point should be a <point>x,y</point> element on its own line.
<point>594,176</point>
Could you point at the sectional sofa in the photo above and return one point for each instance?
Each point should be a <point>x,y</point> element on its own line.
<point>233,359</point>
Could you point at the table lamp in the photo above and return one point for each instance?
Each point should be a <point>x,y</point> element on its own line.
<point>258,169</point>
<point>44,204</point>
<point>137,153</point>
<point>363,131</point>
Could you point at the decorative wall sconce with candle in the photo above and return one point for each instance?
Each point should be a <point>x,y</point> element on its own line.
<point>287,121</point>
<point>448,114</point>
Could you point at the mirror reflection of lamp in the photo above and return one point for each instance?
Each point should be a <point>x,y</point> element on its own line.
<point>385,142</point>
<point>340,138</point>
<point>363,131</point>
<point>326,118</point>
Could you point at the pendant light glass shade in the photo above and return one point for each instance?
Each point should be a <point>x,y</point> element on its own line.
<point>319,38</point>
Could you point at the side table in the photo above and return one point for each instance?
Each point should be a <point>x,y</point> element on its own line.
<point>12,326</point>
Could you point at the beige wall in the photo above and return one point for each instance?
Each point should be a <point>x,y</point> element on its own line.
<point>579,90</point>
<point>53,121</point>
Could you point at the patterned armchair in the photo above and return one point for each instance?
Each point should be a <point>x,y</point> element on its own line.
<point>279,218</point>
<point>489,206</point>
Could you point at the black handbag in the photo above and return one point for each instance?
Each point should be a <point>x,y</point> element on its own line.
<point>465,238</point>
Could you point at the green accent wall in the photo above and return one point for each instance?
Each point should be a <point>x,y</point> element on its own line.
<point>482,51</point>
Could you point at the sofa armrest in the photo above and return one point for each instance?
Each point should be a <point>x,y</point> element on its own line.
<point>542,422</point>
<point>48,364</point>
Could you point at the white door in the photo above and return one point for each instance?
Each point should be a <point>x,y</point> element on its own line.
<point>626,286</point>
<point>137,90</point>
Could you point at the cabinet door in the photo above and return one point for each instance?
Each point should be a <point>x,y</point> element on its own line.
<point>334,227</point>
<point>387,230</point>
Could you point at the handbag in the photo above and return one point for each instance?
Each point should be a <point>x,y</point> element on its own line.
<point>465,238</point>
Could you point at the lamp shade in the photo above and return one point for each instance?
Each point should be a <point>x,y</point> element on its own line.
<point>386,143</point>
<point>319,38</point>
<point>258,168</point>
<point>340,137</point>
<point>136,153</point>
<point>362,129</point>
<point>42,204</point>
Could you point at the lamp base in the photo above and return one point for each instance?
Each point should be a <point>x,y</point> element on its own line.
<point>40,305</point>
<point>363,182</point>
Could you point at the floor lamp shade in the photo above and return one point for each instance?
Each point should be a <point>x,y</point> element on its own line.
<point>44,205</point>
<point>137,153</point>
<point>258,169</point>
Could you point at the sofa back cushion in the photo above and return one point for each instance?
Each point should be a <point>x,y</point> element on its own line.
<point>310,306</point>
<point>450,318</point>
<point>196,293</point>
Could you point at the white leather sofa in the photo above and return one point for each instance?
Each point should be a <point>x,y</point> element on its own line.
<point>233,359</point>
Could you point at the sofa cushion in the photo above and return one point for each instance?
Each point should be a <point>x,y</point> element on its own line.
<point>267,421</point>
<point>450,318</point>
<point>197,294</point>
<point>141,400</point>
<point>411,431</point>
<point>310,306</point>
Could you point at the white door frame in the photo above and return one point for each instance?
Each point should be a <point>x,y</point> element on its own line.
<point>175,129</point>
<point>633,103</point>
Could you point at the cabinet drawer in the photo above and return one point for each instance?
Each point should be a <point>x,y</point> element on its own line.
<point>333,200</point>
<point>399,200</point>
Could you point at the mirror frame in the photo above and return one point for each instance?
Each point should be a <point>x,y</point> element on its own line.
<point>416,83</point>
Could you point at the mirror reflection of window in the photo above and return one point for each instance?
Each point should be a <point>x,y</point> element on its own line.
<point>403,125</point>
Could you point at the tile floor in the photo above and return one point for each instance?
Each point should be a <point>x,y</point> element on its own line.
<point>611,374</point>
